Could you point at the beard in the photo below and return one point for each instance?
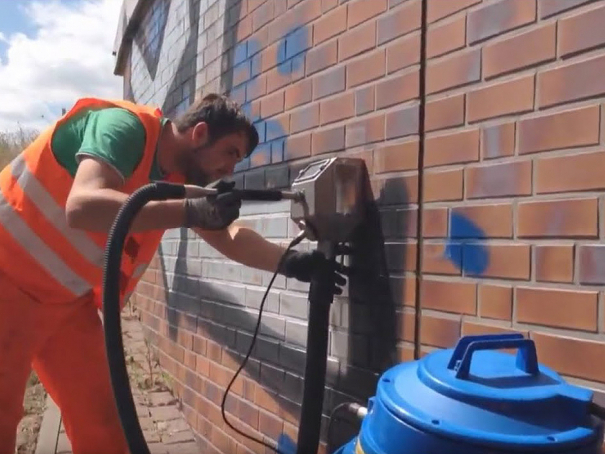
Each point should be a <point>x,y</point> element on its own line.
<point>189,164</point>
<point>196,176</point>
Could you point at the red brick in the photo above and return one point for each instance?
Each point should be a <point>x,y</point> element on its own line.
<point>337,108</point>
<point>321,57</point>
<point>554,263</point>
<point>498,141</point>
<point>495,301</point>
<point>570,356</point>
<point>504,98</point>
<point>327,140</point>
<point>499,17</point>
<point>444,113</point>
<point>443,185</point>
<point>506,261</point>
<point>263,15</point>
<point>591,264</point>
<point>299,93</point>
<point>572,128</point>
<point>327,5</point>
<point>558,218</point>
<point>330,24</point>
<point>365,131</point>
<point>369,67</point>
<point>243,29</point>
<point>257,87</point>
<point>435,260</point>
<point>402,122</point>
<point>440,9</point>
<point>329,82</point>
<point>455,148</point>
<point>304,118</point>
<point>276,80</point>
<point>582,32</point>
<point>531,48</point>
<point>365,100</point>
<point>439,331</point>
<point>576,172</point>
<point>356,41</point>
<point>549,8</point>
<point>474,329</point>
<point>559,308</point>
<point>397,90</point>
<point>434,223</point>
<point>302,13</point>
<point>362,10</point>
<point>446,37</point>
<point>396,157</point>
<point>499,180</point>
<point>449,296</point>
<point>454,71</point>
<point>572,82</point>
<point>272,104</point>
<point>297,146</point>
<point>495,220</point>
<point>405,325</point>
<point>400,21</point>
<point>270,425</point>
<point>396,190</point>
<point>403,52</point>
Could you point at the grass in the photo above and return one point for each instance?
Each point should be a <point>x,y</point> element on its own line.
<point>13,142</point>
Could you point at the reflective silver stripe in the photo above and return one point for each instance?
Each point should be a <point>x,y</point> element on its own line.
<point>139,270</point>
<point>54,213</point>
<point>28,239</point>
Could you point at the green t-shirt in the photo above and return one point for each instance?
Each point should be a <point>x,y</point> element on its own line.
<point>114,135</point>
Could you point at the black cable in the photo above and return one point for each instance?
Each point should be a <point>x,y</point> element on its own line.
<point>293,243</point>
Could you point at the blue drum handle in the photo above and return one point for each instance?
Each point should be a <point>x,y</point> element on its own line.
<point>527,358</point>
<point>466,340</point>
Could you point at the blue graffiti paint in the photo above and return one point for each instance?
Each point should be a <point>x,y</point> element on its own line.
<point>296,41</point>
<point>464,247</point>
<point>290,59</point>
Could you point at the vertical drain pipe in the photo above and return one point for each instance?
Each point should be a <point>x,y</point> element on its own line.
<point>421,147</point>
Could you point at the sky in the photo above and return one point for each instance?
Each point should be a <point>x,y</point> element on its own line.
<point>51,53</point>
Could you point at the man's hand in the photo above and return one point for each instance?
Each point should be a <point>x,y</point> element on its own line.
<point>301,265</point>
<point>214,212</point>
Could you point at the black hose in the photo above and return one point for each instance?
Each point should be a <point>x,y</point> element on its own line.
<point>111,307</point>
<point>321,295</point>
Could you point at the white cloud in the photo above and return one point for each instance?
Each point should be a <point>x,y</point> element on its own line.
<point>69,56</point>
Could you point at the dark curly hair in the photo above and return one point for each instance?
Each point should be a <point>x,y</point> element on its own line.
<point>223,117</point>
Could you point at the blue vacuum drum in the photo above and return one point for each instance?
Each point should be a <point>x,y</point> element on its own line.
<point>475,399</point>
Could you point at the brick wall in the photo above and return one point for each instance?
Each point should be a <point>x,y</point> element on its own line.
<point>497,200</point>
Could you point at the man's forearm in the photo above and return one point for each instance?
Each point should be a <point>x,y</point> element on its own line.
<point>96,211</point>
<point>244,246</point>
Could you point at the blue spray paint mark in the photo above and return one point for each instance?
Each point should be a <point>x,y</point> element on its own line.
<point>290,58</point>
<point>464,247</point>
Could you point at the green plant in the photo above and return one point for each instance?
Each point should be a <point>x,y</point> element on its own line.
<point>13,142</point>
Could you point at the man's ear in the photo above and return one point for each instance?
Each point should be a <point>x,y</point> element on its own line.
<point>199,134</point>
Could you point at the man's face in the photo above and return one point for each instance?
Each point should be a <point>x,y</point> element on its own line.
<point>209,161</point>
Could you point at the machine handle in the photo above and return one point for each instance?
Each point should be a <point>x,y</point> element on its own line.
<point>527,358</point>
<point>464,342</point>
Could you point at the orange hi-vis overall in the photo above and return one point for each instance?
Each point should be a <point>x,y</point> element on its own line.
<point>51,288</point>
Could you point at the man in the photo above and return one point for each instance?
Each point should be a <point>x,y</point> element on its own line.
<point>59,198</point>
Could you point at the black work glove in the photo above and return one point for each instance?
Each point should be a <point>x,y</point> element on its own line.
<point>213,212</point>
<point>301,266</point>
